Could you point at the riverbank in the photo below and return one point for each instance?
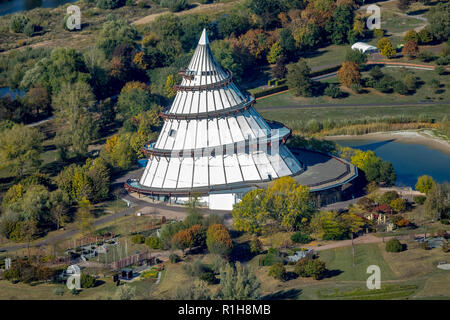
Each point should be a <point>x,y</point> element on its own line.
<point>422,137</point>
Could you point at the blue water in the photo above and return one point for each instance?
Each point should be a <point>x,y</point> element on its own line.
<point>410,161</point>
<point>13,93</point>
<point>12,6</point>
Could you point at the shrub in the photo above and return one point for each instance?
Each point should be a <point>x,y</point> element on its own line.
<point>58,291</point>
<point>440,70</point>
<point>399,204</point>
<point>175,5</point>
<point>138,239</point>
<point>271,257</point>
<point>419,199</point>
<point>333,91</point>
<point>445,221</point>
<point>208,276</point>
<point>278,271</point>
<point>425,56</point>
<point>366,203</point>
<point>255,245</point>
<point>110,4</point>
<point>153,243</point>
<point>308,267</point>
<point>218,240</point>
<point>394,245</point>
<point>87,281</point>
<point>387,197</point>
<point>174,258</point>
<point>378,33</point>
<point>29,29</point>
<point>300,237</point>
<point>18,23</point>
<point>400,87</point>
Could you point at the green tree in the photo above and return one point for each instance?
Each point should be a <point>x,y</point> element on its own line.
<point>298,79</point>
<point>394,245</point>
<point>239,283</point>
<point>250,214</point>
<point>425,184</point>
<point>439,21</point>
<point>20,149</point>
<point>341,25</point>
<point>18,23</point>
<point>60,206</point>
<point>275,52</point>
<point>355,56</point>
<point>115,31</point>
<point>386,48</point>
<point>71,107</point>
<point>169,88</point>
<point>308,267</point>
<point>84,217</point>
<point>278,271</point>
<point>326,225</point>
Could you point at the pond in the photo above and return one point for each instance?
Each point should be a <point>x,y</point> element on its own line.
<point>12,92</point>
<point>12,6</point>
<point>410,161</point>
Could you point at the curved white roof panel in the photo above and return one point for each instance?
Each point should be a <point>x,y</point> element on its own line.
<point>212,136</point>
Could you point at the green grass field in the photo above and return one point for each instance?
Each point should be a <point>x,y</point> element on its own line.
<point>341,260</point>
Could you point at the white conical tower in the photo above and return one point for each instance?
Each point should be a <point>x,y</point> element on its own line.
<point>213,141</point>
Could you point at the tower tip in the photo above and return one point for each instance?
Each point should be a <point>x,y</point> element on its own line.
<point>204,38</point>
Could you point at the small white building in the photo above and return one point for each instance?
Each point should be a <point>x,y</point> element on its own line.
<point>364,47</point>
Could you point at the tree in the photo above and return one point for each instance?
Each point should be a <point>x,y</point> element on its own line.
<point>18,23</point>
<point>425,184</point>
<point>411,35</point>
<point>134,99</point>
<point>386,48</point>
<point>341,25</point>
<point>60,205</point>
<point>20,149</point>
<point>267,10</point>
<point>110,4</point>
<point>239,283</point>
<point>425,36</point>
<point>410,49</point>
<point>439,21</point>
<point>394,245</point>
<point>349,73</point>
<point>355,56</point>
<point>289,203</point>
<point>325,225</point>
<point>71,107</point>
<point>115,31</point>
<point>275,53</point>
<point>298,79</point>
<point>169,88</point>
<point>308,267</point>
<point>37,98</point>
<point>398,205</point>
<point>84,217</point>
<point>279,71</point>
<point>218,240</point>
<point>250,214</point>
<point>375,168</point>
<point>353,224</point>
<point>437,202</point>
<point>278,271</point>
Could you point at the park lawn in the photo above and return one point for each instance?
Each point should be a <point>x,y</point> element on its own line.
<point>339,261</point>
<point>326,57</point>
<point>414,262</point>
<point>369,95</point>
<point>9,291</point>
<point>436,286</point>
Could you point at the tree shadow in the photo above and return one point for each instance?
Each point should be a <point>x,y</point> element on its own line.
<point>290,294</point>
<point>331,273</point>
<point>290,276</point>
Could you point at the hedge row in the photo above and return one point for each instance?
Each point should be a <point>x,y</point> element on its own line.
<point>266,92</point>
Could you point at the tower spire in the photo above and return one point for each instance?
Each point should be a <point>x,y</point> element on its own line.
<point>204,38</point>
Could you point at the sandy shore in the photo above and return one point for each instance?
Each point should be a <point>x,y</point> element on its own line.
<point>422,137</point>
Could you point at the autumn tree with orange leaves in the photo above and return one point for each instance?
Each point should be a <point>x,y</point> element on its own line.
<point>349,74</point>
<point>218,240</point>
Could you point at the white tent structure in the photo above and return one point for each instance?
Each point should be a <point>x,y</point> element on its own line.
<point>364,47</point>
<point>213,141</point>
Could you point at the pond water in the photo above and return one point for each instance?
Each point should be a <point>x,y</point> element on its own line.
<point>410,161</point>
<point>12,92</point>
<point>12,6</point>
